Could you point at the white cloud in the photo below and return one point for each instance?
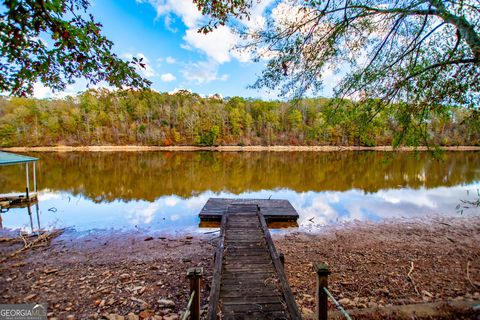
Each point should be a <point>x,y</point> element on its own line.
<point>175,90</point>
<point>167,77</point>
<point>202,72</point>
<point>169,21</point>
<point>257,19</point>
<point>170,60</point>
<point>220,43</point>
<point>40,91</point>
<point>185,9</point>
<point>216,44</point>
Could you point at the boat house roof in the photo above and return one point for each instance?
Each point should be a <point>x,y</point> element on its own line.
<point>12,158</point>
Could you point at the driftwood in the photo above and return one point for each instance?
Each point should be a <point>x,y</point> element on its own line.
<point>28,243</point>
<point>468,276</point>
<point>409,276</point>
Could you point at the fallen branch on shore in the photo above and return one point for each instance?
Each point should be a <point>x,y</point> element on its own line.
<point>409,276</point>
<point>468,275</point>
<point>41,240</point>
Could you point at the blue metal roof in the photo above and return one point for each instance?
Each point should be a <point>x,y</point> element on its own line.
<point>11,158</point>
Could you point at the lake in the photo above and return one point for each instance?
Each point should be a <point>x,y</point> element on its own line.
<point>164,191</point>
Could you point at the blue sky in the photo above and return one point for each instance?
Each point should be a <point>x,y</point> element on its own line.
<point>164,33</point>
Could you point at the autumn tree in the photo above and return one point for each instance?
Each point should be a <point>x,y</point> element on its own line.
<point>421,55</point>
<point>56,42</point>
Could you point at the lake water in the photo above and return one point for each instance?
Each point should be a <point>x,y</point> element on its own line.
<point>165,191</point>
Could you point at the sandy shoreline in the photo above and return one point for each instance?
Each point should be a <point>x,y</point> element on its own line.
<point>130,148</point>
<point>88,276</point>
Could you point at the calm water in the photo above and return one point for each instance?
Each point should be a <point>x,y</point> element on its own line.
<point>164,191</point>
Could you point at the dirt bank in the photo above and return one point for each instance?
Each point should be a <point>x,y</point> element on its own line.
<point>229,148</point>
<point>88,275</point>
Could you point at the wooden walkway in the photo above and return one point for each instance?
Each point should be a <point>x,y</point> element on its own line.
<point>249,281</point>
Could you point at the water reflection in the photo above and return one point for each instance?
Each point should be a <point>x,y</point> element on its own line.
<point>165,191</point>
<point>33,213</point>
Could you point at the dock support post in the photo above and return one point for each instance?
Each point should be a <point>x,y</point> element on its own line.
<point>34,178</point>
<point>195,275</point>
<point>38,215</point>
<point>322,282</point>
<point>281,256</point>
<point>27,176</point>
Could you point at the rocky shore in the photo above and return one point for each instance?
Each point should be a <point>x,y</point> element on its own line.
<point>116,275</point>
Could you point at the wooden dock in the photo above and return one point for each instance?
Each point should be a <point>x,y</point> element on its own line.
<point>271,209</point>
<point>8,201</point>
<point>248,281</point>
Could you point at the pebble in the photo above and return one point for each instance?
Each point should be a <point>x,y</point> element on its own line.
<point>426,293</point>
<point>124,276</point>
<point>145,314</point>
<point>307,310</point>
<point>30,296</point>
<point>345,301</point>
<point>166,303</point>
<point>148,239</point>
<point>131,316</point>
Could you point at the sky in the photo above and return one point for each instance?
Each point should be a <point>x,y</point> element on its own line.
<point>164,33</point>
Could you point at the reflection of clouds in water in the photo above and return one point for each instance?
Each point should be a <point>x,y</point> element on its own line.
<point>175,214</point>
<point>46,195</point>
<point>330,207</point>
<point>317,208</point>
<point>171,201</point>
<point>143,215</point>
<point>332,197</point>
<point>421,197</point>
<point>197,203</point>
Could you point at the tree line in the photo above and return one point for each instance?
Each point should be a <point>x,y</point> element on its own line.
<point>147,117</point>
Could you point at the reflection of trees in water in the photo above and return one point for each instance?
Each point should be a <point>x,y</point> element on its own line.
<point>149,175</point>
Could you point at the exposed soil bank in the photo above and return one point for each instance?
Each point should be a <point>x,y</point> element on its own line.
<point>87,276</point>
<point>230,148</point>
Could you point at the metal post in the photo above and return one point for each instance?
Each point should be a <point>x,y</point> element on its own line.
<point>195,275</point>
<point>28,208</point>
<point>26,173</point>
<point>34,177</point>
<point>322,282</point>
<point>37,209</point>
